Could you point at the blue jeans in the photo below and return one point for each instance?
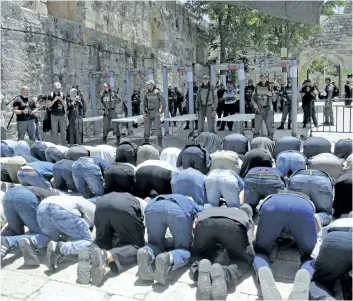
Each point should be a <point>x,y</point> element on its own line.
<point>62,173</point>
<point>164,214</point>
<point>290,161</point>
<point>32,178</point>
<point>37,133</point>
<point>190,182</point>
<point>20,209</point>
<point>53,155</point>
<point>259,185</point>
<point>55,220</point>
<point>22,148</point>
<point>38,150</point>
<point>6,150</point>
<point>318,186</point>
<point>285,212</point>
<point>88,177</point>
<point>222,183</point>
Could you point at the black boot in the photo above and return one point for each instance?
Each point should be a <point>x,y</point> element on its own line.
<point>187,126</point>
<point>289,123</point>
<point>281,127</point>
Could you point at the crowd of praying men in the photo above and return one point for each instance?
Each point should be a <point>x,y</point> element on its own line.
<point>113,207</point>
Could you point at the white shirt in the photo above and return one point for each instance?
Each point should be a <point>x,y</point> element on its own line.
<point>170,155</point>
<point>159,163</point>
<point>230,94</point>
<point>103,151</point>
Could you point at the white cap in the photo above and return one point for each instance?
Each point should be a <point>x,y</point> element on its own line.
<point>105,85</point>
<point>151,82</point>
<point>57,85</point>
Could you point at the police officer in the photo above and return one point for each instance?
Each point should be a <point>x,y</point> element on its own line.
<point>327,94</point>
<point>249,90</point>
<point>308,94</point>
<point>153,107</point>
<point>136,101</point>
<point>171,102</point>
<point>109,101</point>
<point>194,91</point>
<point>220,93</point>
<point>179,101</point>
<point>286,96</point>
<point>262,102</point>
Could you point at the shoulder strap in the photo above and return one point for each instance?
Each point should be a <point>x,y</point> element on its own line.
<point>208,94</point>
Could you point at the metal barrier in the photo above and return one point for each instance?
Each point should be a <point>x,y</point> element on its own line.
<point>342,115</point>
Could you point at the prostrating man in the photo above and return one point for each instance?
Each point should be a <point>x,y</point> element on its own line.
<point>230,106</point>
<point>196,157</point>
<point>287,106</point>
<point>285,144</point>
<point>38,173</point>
<point>343,148</point>
<point>11,148</point>
<point>118,220</point>
<point>328,163</point>
<point>176,212</point>
<point>226,160</point>
<point>288,162</point>
<point>126,152</point>
<point>206,105</point>
<point>147,151</point>
<point>119,177</point>
<point>109,101</point>
<point>55,153</point>
<point>342,203</point>
<point>333,262</point>
<point>210,238</point>
<point>153,107</point>
<point>62,174</point>
<point>257,157</point>
<point>262,102</point>
<point>308,94</point>
<point>263,142</point>
<point>170,155</point>
<point>290,212</point>
<point>20,206</point>
<point>237,143</point>
<point>316,145</point>
<point>58,109</point>
<point>209,141</point>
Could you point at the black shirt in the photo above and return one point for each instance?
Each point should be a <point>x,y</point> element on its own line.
<point>257,157</point>
<point>57,109</point>
<point>135,98</point>
<point>24,104</point>
<point>220,93</point>
<point>42,193</point>
<point>307,98</point>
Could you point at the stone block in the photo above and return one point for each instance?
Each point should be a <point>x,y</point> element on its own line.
<point>177,291</point>
<point>284,269</point>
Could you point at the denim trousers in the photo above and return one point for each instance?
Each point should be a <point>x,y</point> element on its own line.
<point>38,149</point>
<point>37,133</point>
<point>62,173</point>
<point>20,208</point>
<point>290,161</point>
<point>6,150</point>
<point>26,127</point>
<point>55,221</point>
<point>165,214</point>
<point>318,186</point>
<point>88,177</point>
<point>22,148</point>
<point>190,182</point>
<point>260,185</point>
<point>32,178</point>
<point>222,183</point>
<point>53,155</point>
<point>58,122</point>
<point>285,212</point>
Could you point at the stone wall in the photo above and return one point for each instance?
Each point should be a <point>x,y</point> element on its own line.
<point>43,42</point>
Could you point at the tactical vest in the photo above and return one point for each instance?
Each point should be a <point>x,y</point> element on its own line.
<point>262,97</point>
<point>152,100</point>
<point>106,100</point>
<point>288,90</point>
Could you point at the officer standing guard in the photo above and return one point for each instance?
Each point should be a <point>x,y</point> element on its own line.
<point>286,96</point>
<point>249,90</point>
<point>262,102</point>
<point>109,100</point>
<point>153,107</point>
<point>327,94</point>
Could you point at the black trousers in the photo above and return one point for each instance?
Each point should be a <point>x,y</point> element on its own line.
<point>119,227</point>
<point>229,109</point>
<point>219,110</point>
<point>249,110</point>
<point>178,106</point>
<point>309,112</point>
<point>342,203</point>
<point>213,232</point>
<point>119,177</point>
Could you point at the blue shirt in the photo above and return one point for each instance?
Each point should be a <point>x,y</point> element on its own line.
<point>43,168</point>
<point>103,164</point>
<point>190,207</point>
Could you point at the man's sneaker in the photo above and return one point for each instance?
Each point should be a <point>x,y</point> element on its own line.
<point>28,251</point>
<point>268,285</point>
<point>53,255</point>
<point>219,285</point>
<point>98,259</point>
<point>84,267</point>
<point>318,223</point>
<point>300,290</point>
<point>5,247</point>
<point>144,262</point>
<point>163,266</point>
<point>204,286</point>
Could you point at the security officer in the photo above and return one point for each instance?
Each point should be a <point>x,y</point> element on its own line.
<point>171,102</point>
<point>153,107</point>
<point>136,101</point>
<point>262,102</point>
<point>286,96</point>
<point>220,108</point>
<point>308,94</point>
<point>109,100</point>
<point>327,95</point>
<point>249,90</point>
<point>194,91</point>
<point>179,102</point>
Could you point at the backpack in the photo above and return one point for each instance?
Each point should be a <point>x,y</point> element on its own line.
<point>336,91</point>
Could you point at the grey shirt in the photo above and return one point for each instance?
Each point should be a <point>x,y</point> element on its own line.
<point>328,163</point>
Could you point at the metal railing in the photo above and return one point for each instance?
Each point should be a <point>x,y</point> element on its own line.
<point>341,113</point>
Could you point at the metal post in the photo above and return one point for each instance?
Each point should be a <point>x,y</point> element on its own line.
<point>213,75</point>
<point>294,77</point>
<point>92,91</point>
<point>262,68</point>
<point>128,93</point>
<point>165,96</point>
<point>111,79</point>
<point>241,76</point>
<point>150,74</point>
<point>190,85</point>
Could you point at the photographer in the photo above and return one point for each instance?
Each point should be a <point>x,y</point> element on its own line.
<point>76,111</point>
<point>308,94</point>
<point>24,110</point>
<point>58,107</point>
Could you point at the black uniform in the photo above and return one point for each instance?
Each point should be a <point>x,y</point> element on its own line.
<point>220,107</point>
<point>135,103</point>
<point>179,102</point>
<point>249,90</point>
<point>308,105</point>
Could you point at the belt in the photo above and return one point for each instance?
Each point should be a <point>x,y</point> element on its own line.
<point>112,109</point>
<point>151,109</point>
<point>263,176</point>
